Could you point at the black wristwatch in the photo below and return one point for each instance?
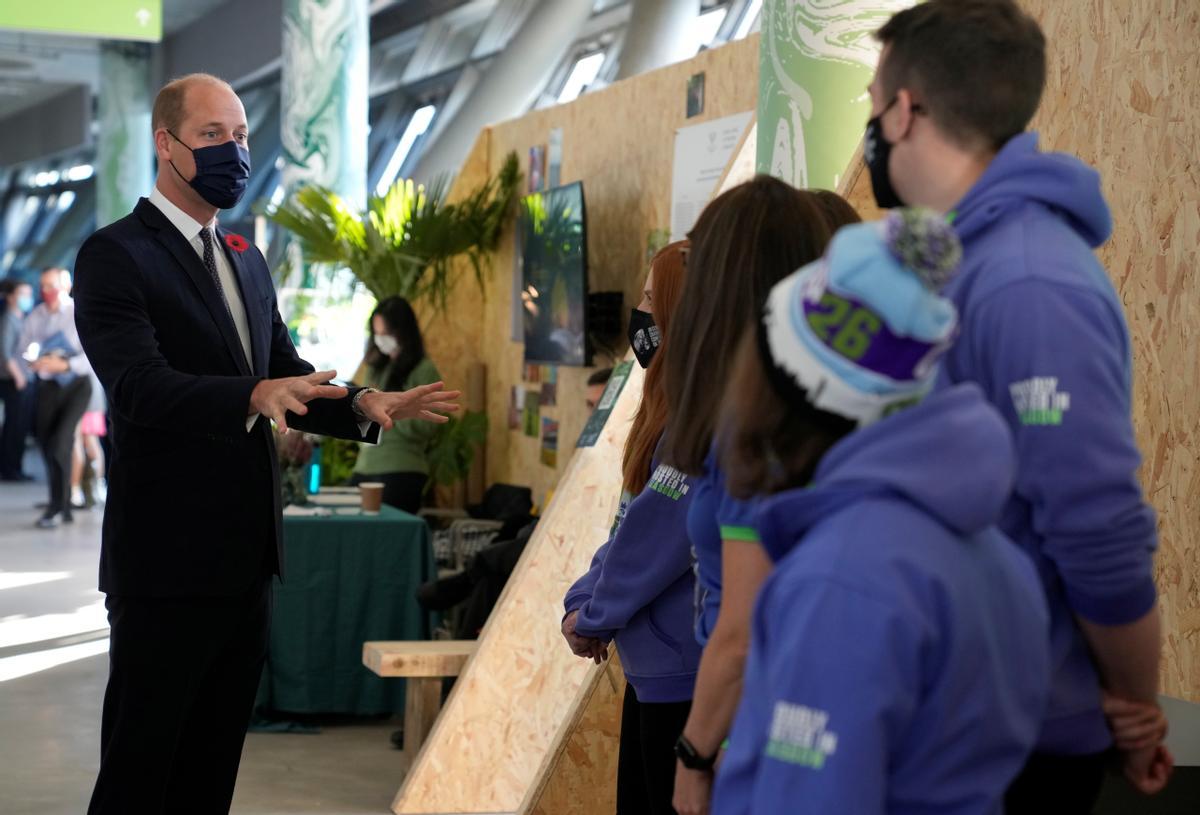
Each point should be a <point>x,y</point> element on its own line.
<point>690,758</point>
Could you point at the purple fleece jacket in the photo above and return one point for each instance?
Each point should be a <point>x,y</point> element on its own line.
<point>1044,336</point>
<point>639,590</point>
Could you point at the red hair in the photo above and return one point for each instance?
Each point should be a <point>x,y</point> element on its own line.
<point>669,266</point>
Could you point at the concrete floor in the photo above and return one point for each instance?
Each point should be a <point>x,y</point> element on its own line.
<point>50,612</point>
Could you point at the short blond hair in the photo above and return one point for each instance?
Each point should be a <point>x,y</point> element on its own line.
<point>170,104</point>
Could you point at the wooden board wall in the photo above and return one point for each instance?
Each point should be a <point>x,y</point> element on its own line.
<point>1123,94</point>
<point>620,142</point>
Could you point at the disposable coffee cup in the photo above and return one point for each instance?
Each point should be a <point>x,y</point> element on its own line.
<point>371,493</point>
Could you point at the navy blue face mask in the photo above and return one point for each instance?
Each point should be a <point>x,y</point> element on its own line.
<point>222,171</point>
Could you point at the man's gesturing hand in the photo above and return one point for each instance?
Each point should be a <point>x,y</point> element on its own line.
<point>273,398</point>
<point>427,402</point>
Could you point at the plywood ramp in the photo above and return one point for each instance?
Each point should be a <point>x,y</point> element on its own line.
<point>510,702</point>
<point>579,775</point>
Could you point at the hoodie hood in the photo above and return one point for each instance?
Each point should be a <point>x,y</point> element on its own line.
<point>1021,173</point>
<point>952,456</point>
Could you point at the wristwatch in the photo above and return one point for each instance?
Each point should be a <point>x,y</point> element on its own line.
<point>358,397</point>
<point>690,758</point>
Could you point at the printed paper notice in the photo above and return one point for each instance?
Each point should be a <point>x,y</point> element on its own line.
<point>701,154</point>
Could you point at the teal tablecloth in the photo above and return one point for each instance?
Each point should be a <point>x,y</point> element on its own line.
<point>348,579</point>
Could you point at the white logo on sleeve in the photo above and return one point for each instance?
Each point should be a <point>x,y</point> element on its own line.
<point>1038,401</point>
<point>800,735</point>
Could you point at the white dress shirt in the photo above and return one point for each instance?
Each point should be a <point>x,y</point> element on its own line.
<point>190,229</point>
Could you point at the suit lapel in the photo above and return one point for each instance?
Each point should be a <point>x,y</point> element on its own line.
<point>251,298</point>
<point>186,257</point>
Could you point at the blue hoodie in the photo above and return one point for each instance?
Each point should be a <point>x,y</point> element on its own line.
<point>899,656</point>
<point>639,590</point>
<point>1044,336</point>
<point>713,518</point>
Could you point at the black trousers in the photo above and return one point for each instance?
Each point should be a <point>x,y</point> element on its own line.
<point>400,490</point>
<point>646,765</point>
<point>59,409</point>
<point>16,426</point>
<point>183,674</point>
<point>1057,785</point>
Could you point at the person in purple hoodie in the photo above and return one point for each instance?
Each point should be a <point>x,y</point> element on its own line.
<point>639,588</point>
<point>1046,341</point>
<point>900,659</point>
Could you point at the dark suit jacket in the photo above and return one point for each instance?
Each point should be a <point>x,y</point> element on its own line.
<point>193,499</point>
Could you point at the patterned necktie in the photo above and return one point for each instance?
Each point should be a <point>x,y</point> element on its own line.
<point>210,263</point>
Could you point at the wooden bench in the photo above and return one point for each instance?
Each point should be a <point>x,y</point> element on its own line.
<point>424,664</point>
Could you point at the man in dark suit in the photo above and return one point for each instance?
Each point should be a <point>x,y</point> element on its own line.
<point>180,321</point>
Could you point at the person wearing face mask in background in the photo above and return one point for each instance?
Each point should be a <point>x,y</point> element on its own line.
<point>179,318</point>
<point>396,361</point>
<point>638,590</point>
<point>16,299</point>
<point>64,389</point>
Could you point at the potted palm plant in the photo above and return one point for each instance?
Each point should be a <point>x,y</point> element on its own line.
<point>407,239</point>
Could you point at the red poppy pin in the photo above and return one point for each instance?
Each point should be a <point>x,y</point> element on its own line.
<point>236,242</point>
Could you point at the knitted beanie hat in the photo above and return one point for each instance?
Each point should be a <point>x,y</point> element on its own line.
<point>858,332</point>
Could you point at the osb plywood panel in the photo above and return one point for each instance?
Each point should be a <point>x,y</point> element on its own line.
<point>620,142</point>
<point>579,775</point>
<point>1123,94</point>
<point>512,698</point>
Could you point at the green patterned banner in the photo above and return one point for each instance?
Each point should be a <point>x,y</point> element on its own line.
<point>324,96</point>
<point>817,58</point>
<point>125,144</point>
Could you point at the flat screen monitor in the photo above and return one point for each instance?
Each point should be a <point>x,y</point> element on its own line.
<point>553,234</point>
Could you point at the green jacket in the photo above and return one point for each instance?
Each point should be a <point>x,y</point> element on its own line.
<point>404,448</point>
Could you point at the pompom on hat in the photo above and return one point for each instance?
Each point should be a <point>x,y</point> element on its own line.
<point>858,333</point>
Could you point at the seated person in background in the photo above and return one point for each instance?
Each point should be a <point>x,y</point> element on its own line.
<point>396,361</point>
<point>900,653</point>
<point>595,386</point>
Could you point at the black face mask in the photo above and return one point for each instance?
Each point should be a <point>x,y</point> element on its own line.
<point>222,171</point>
<point>876,151</point>
<point>644,336</point>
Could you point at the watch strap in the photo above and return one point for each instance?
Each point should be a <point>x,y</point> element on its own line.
<point>687,754</point>
<point>358,398</point>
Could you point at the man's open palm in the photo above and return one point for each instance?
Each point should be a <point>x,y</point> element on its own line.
<point>429,403</point>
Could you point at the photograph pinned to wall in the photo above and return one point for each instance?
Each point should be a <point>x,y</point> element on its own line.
<point>516,404</point>
<point>599,417</point>
<point>702,151</point>
<point>537,168</point>
<point>554,149</point>
<point>695,95</point>
<point>549,441</point>
<point>549,394</point>
<point>529,413</point>
<point>549,373</point>
<point>532,372</point>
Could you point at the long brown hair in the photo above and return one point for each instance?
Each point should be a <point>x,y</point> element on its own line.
<point>669,266</point>
<point>745,241</point>
<point>768,443</point>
